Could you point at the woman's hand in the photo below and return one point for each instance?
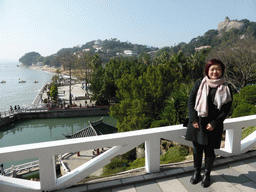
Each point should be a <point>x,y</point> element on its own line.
<point>195,124</point>
<point>209,127</point>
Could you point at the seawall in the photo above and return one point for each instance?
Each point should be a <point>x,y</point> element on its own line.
<point>63,113</point>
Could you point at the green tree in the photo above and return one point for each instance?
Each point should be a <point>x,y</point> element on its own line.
<point>112,72</point>
<point>142,98</point>
<point>55,79</point>
<point>175,110</point>
<point>54,91</point>
<point>196,64</point>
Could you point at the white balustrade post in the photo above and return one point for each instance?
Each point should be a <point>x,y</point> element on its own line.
<point>47,172</point>
<point>233,141</point>
<point>152,155</point>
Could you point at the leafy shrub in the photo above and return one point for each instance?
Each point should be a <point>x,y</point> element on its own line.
<point>248,94</point>
<point>243,109</point>
<point>174,154</point>
<point>137,163</point>
<point>247,131</point>
<point>115,166</point>
<point>119,164</point>
<point>244,102</point>
<point>235,102</point>
<point>159,123</point>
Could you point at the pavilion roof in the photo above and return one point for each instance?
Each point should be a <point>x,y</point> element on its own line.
<point>95,128</point>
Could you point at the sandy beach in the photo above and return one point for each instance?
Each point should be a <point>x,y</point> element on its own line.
<point>44,68</point>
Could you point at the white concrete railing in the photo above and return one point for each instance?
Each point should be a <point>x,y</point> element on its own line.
<point>10,114</point>
<point>22,167</point>
<point>39,96</point>
<point>121,142</point>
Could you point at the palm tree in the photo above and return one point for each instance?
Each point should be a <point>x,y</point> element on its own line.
<point>175,111</point>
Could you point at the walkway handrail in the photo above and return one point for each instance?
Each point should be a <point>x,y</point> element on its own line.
<point>32,107</point>
<point>39,96</point>
<point>120,143</point>
<point>22,167</point>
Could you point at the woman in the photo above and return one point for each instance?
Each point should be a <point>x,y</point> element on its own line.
<point>208,105</point>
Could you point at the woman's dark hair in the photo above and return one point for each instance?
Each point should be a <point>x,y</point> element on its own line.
<point>214,62</point>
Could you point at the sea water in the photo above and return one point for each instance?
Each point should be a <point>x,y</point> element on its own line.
<point>35,130</point>
<point>23,94</point>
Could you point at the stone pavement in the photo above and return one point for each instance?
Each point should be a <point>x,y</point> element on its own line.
<point>73,161</point>
<point>236,173</point>
<point>76,91</point>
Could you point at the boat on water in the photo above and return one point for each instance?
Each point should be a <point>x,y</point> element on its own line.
<point>22,81</point>
<point>35,81</point>
<point>3,81</point>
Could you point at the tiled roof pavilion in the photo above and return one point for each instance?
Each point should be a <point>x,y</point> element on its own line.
<point>94,128</point>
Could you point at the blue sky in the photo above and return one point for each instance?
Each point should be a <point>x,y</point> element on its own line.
<point>46,26</point>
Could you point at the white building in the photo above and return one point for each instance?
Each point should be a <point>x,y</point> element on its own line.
<point>129,53</point>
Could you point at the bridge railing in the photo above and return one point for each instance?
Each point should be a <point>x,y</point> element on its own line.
<point>120,143</point>
<point>10,114</point>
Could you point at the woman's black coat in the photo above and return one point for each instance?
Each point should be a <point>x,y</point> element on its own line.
<point>215,118</point>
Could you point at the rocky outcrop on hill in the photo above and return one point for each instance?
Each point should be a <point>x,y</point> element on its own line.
<point>228,24</point>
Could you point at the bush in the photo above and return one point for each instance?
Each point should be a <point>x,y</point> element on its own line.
<point>119,164</point>
<point>244,102</point>
<point>243,109</point>
<point>159,123</point>
<point>174,154</point>
<point>247,131</point>
<point>115,166</point>
<point>248,94</point>
<point>137,163</point>
<point>235,102</point>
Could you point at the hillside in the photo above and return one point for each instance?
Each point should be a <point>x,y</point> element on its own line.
<point>106,49</point>
<point>226,34</point>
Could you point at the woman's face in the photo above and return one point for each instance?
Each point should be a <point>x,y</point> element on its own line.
<point>215,71</point>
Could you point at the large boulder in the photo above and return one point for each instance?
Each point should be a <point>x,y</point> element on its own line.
<point>228,24</point>
<point>223,25</point>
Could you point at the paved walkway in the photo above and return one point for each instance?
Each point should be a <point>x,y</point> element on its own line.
<point>72,161</point>
<point>237,173</point>
<point>76,91</point>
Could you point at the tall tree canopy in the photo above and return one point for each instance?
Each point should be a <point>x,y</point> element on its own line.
<point>142,98</point>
